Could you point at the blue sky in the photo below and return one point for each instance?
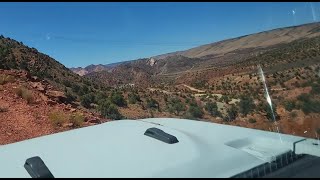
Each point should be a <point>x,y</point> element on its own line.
<point>79,34</point>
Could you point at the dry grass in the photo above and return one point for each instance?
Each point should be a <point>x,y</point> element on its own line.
<point>58,118</point>
<point>25,94</point>
<point>6,79</point>
<point>77,119</point>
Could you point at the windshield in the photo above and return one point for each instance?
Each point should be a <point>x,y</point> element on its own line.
<point>65,66</point>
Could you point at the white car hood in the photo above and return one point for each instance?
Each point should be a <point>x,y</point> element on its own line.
<point>120,149</point>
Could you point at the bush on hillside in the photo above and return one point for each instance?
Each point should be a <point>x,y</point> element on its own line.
<point>109,110</point>
<point>58,118</point>
<point>118,99</point>
<point>25,94</point>
<point>246,105</point>
<point>77,120</point>
<point>175,106</point>
<point>212,109</point>
<point>195,111</point>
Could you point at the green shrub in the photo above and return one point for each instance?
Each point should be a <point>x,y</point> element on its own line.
<point>315,89</point>
<point>100,96</point>
<point>175,106</point>
<point>195,111</point>
<point>308,105</point>
<point>58,118</point>
<point>252,120</point>
<point>109,110</point>
<point>246,105</point>
<point>203,98</point>
<point>193,102</point>
<point>232,113</point>
<point>152,103</point>
<point>312,106</point>
<point>289,105</point>
<point>212,109</point>
<point>24,65</point>
<point>86,100</point>
<point>83,90</point>
<point>133,98</point>
<point>70,97</point>
<point>199,83</point>
<point>293,115</point>
<point>224,98</point>
<point>304,97</point>
<point>66,83</point>
<point>25,94</point>
<point>188,100</point>
<point>189,116</point>
<point>118,99</point>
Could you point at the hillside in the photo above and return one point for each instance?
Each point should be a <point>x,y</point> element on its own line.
<point>39,95</point>
<point>221,83</point>
<point>168,67</point>
<point>133,72</point>
<point>15,55</point>
<point>30,107</point>
<point>257,40</point>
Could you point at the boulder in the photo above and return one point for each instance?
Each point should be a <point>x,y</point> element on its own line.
<point>51,103</point>
<point>34,79</point>
<point>94,121</point>
<point>38,86</point>
<point>57,96</point>
<point>67,108</point>
<point>67,125</point>
<point>25,74</point>
<point>43,97</point>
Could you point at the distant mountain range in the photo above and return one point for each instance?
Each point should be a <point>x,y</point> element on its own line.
<point>95,68</point>
<point>217,55</point>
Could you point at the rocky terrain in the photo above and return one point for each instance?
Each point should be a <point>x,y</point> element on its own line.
<point>229,70</point>
<point>26,115</point>
<point>221,82</point>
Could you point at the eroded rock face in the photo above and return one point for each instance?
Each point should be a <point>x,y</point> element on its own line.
<point>43,97</point>
<point>57,96</point>
<point>24,74</point>
<point>34,79</point>
<point>51,103</point>
<point>94,121</point>
<point>38,86</point>
<point>152,62</point>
